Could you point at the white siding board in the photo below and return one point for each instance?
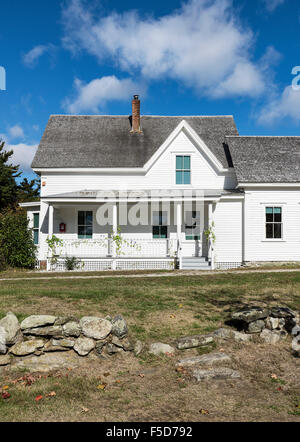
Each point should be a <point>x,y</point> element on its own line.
<point>228,230</point>
<point>256,247</point>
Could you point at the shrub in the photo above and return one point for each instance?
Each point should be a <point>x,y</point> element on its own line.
<point>16,239</point>
<point>71,263</point>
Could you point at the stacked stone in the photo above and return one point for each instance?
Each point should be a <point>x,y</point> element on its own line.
<point>39,334</point>
<point>272,324</point>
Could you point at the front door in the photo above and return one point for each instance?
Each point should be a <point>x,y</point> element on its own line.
<point>193,235</point>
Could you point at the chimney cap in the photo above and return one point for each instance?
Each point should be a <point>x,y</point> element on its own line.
<point>136,97</point>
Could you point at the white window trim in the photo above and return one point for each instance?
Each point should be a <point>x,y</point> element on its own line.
<point>77,214</point>
<point>37,228</point>
<point>184,154</point>
<point>273,240</point>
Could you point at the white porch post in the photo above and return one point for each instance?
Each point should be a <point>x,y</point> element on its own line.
<point>179,223</point>
<point>50,228</point>
<point>115,231</point>
<point>210,245</point>
<point>50,225</point>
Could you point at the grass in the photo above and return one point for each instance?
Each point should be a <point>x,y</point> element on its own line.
<point>157,309</point>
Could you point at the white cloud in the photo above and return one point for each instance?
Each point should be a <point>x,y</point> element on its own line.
<point>93,96</point>
<point>23,155</point>
<point>16,132</point>
<point>202,45</point>
<point>31,58</point>
<point>271,5</point>
<point>285,106</point>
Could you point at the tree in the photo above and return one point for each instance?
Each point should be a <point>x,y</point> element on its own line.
<point>16,239</point>
<point>8,175</point>
<point>28,190</point>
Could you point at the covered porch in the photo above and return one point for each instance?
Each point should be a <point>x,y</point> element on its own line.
<point>132,231</point>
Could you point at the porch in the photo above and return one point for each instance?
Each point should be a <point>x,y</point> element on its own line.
<point>136,234</point>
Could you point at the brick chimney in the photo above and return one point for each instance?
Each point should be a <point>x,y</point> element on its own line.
<point>136,114</point>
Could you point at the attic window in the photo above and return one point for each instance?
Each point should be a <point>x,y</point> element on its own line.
<point>183,169</point>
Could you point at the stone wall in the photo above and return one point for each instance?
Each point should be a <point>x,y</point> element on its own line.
<point>39,334</point>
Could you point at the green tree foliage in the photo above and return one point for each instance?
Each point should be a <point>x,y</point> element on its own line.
<point>11,192</point>
<point>8,175</point>
<point>16,239</point>
<point>28,190</point>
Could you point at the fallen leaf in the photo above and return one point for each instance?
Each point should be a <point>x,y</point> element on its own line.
<point>274,376</point>
<point>84,410</point>
<point>172,316</point>
<point>52,394</point>
<point>38,398</point>
<point>141,375</point>
<point>180,306</point>
<point>102,386</point>
<point>118,381</point>
<point>106,374</point>
<point>6,387</point>
<point>202,411</point>
<point>5,395</point>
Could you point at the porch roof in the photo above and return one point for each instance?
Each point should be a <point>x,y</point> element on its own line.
<point>143,194</point>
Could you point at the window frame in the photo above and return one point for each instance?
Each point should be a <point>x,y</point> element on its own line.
<point>36,229</point>
<point>160,226</point>
<point>85,236</point>
<point>273,205</point>
<point>183,155</point>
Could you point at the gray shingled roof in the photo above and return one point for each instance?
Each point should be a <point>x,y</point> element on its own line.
<point>106,141</point>
<point>266,159</point>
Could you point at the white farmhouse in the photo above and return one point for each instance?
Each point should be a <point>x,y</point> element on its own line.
<point>145,192</point>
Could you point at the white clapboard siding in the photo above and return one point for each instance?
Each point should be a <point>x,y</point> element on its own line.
<point>228,231</point>
<point>257,248</point>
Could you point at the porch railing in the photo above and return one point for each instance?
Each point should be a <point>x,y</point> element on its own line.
<point>128,248</point>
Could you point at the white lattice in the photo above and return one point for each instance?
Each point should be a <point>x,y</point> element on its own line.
<point>85,266</point>
<point>142,264</point>
<point>227,265</point>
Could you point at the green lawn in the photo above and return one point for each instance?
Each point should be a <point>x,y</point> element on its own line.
<point>198,303</point>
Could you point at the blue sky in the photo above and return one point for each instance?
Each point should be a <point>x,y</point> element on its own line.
<point>197,57</point>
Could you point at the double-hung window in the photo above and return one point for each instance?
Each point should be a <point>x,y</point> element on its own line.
<point>192,226</point>
<point>85,224</point>
<point>160,225</point>
<point>183,169</point>
<point>274,222</point>
<point>36,222</point>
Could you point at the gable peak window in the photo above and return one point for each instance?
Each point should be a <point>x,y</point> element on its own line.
<point>273,222</point>
<point>183,169</point>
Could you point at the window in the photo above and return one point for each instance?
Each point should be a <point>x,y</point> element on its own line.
<point>192,226</point>
<point>160,227</point>
<point>36,223</point>
<point>183,169</point>
<point>273,222</point>
<point>85,225</point>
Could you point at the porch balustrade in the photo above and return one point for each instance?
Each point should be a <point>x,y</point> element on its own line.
<point>126,248</point>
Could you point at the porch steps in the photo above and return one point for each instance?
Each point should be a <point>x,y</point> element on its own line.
<point>195,263</point>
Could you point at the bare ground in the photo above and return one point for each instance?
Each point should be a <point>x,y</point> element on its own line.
<point>151,389</point>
